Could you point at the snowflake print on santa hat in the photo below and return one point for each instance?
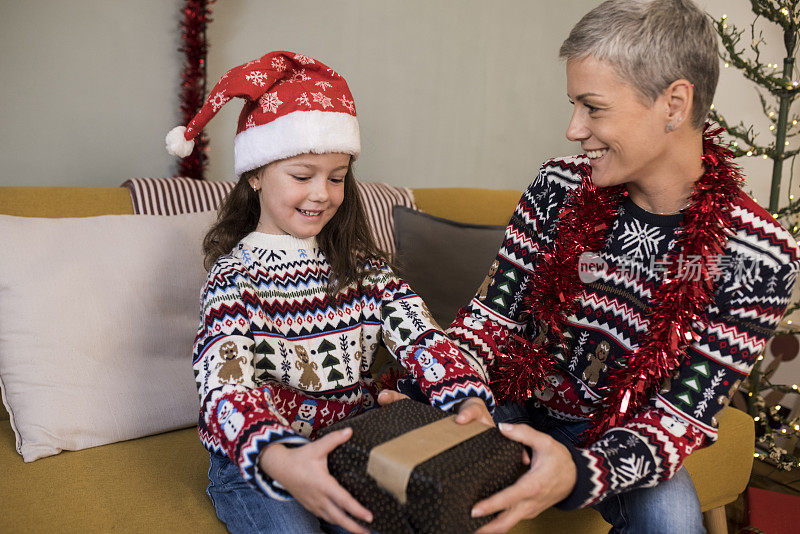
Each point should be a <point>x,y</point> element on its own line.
<point>257,78</point>
<point>324,85</point>
<point>250,122</point>
<point>320,98</point>
<point>305,60</point>
<point>302,100</point>
<point>348,104</point>
<point>218,100</point>
<point>278,63</point>
<point>269,102</point>
<point>298,75</point>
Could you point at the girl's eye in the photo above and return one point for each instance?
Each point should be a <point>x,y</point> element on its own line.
<point>336,180</point>
<point>301,178</point>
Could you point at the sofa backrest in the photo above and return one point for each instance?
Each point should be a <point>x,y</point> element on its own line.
<point>472,205</point>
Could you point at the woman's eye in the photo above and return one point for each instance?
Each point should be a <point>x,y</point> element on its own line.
<point>591,109</point>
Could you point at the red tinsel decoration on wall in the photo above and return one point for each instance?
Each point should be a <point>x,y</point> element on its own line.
<point>196,14</point>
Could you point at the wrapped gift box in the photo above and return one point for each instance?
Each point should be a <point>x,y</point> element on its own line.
<point>380,466</point>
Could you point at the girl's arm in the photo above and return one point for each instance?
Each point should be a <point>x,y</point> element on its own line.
<point>413,337</point>
<point>237,418</point>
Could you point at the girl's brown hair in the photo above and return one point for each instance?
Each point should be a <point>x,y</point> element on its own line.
<point>346,241</point>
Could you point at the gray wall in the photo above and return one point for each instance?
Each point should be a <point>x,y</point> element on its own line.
<point>448,93</point>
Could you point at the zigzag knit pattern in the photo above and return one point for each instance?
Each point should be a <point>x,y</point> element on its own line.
<point>755,277</point>
<point>276,359</point>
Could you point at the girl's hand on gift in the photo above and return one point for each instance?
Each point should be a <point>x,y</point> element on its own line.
<point>549,480</point>
<point>474,409</point>
<point>303,471</point>
<point>388,396</point>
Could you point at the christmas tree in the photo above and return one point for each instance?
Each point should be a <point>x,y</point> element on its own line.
<point>777,87</point>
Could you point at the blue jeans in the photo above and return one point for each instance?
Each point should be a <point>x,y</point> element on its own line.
<point>670,507</point>
<point>247,510</point>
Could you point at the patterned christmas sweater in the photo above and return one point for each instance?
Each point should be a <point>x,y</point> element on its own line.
<point>755,277</point>
<point>275,358</point>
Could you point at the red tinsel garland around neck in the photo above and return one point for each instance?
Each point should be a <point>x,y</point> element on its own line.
<point>553,289</point>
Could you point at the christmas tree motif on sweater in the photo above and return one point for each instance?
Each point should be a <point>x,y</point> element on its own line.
<point>334,375</point>
<point>264,364</point>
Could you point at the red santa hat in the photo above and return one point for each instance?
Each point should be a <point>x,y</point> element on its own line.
<point>292,105</point>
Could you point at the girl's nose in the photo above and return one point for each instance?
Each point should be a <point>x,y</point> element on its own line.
<point>319,190</point>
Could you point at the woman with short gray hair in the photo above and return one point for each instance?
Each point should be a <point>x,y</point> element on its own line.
<point>637,283</point>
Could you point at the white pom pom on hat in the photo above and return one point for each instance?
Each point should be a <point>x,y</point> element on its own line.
<point>177,145</point>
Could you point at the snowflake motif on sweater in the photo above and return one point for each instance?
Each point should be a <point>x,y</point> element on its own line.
<point>756,276</point>
<point>275,359</point>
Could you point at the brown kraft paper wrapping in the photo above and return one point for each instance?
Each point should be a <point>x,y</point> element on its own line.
<point>391,463</point>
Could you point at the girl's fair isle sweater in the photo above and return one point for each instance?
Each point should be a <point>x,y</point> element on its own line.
<point>755,277</point>
<point>275,358</point>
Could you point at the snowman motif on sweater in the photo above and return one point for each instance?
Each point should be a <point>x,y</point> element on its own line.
<point>230,419</point>
<point>304,420</point>
<point>432,369</point>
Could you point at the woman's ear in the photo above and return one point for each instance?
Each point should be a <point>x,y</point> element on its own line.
<point>679,97</point>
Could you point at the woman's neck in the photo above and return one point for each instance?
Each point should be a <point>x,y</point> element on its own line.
<point>667,190</point>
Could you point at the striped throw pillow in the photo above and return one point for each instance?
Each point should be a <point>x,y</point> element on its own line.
<point>171,196</point>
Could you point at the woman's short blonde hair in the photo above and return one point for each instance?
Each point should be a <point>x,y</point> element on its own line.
<point>652,43</point>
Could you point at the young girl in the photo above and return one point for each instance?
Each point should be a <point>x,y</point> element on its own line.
<point>297,299</point>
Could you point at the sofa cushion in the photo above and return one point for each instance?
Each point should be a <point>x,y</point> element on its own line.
<point>442,260</point>
<point>97,320</point>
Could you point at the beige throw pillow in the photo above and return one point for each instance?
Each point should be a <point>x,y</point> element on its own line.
<point>97,320</point>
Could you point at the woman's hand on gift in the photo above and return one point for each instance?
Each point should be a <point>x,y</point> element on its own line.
<point>550,479</point>
<point>303,471</point>
<point>474,409</point>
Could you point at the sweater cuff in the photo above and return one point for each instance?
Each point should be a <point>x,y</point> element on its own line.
<point>251,451</point>
<point>589,487</point>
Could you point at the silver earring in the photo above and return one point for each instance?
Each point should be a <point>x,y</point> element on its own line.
<point>670,127</point>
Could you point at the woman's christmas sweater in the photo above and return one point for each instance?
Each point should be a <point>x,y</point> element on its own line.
<point>754,277</point>
<point>275,358</point>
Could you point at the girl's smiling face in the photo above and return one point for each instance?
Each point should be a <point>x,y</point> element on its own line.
<point>299,195</point>
<point>623,136</point>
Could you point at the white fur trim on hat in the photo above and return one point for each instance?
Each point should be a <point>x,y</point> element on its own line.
<point>299,132</point>
<point>177,145</point>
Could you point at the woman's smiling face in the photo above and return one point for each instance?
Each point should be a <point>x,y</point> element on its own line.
<point>623,136</point>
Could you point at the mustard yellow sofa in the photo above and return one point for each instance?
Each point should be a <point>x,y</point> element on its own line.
<point>157,483</point>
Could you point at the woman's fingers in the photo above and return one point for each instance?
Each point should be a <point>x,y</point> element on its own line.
<point>342,498</point>
<point>334,514</point>
<point>506,520</point>
<point>503,499</point>
<point>388,396</point>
